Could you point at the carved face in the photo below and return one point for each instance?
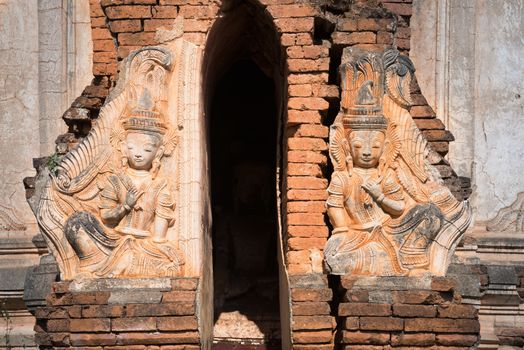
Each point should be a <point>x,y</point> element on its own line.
<point>141,150</point>
<point>366,147</point>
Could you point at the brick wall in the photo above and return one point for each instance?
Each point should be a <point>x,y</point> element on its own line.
<point>120,319</point>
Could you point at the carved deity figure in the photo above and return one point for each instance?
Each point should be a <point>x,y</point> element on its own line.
<point>108,208</point>
<point>390,213</point>
<point>136,207</point>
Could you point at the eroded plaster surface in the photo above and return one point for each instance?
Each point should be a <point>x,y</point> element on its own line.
<point>468,56</point>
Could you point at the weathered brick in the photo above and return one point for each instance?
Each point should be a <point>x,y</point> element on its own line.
<point>104,57</point>
<point>200,12</point>
<point>303,182</point>
<point>308,130</point>
<point>422,112</point>
<point>302,117</point>
<point>310,308</point>
<point>295,10</point>
<point>315,337</point>
<point>57,325</point>
<point>311,323</point>
<point>311,294</point>
<point>421,297</point>
<point>308,78</point>
<point>184,323</point>
<point>140,39</point>
<point>300,90</point>
<point>419,339</point>
<point>158,338</point>
<point>299,169</point>
<point>351,323</point>
<point>441,325</point>
<point>300,243</point>
<point>164,12</point>
<point>402,9</point>
<point>354,38</point>
<point>164,309</point>
<point>90,311</point>
<point>414,310</point>
<point>294,25</point>
<point>301,195</point>
<point>131,324</point>
<point>356,296</point>
<point>457,311</point>
<point>128,11</point>
<point>307,231</point>
<point>90,297</point>
<point>427,124</point>
<point>347,25</point>
<point>373,338</point>
<point>151,25</point>
<point>381,324</point>
<point>306,144</point>
<point>364,309</point>
<point>184,283</point>
<point>103,45</point>
<point>88,325</point>
<point>133,25</point>
<point>198,39</point>
<point>92,339</point>
<point>302,65</point>
<point>438,135</point>
<point>105,3</point>
<point>299,269</point>
<point>311,103</point>
<point>178,296</point>
<point>384,38</point>
<point>306,157</point>
<point>291,39</point>
<point>316,219</point>
<point>456,339</point>
<point>298,257</point>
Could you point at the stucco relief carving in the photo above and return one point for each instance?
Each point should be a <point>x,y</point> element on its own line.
<point>390,212</point>
<point>9,220</point>
<point>510,218</point>
<point>109,209</point>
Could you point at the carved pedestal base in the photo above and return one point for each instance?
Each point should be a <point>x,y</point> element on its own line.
<point>404,312</point>
<point>120,314</point>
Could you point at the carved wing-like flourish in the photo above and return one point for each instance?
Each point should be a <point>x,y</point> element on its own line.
<point>509,218</point>
<point>339,148</point>
<point>75,184</point>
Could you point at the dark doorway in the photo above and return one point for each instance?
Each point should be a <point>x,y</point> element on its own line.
<point>243,155</point>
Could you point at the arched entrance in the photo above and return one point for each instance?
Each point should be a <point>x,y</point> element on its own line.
<point>244,92</point>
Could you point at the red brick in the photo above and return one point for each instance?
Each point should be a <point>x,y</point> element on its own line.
<point>426,124</point>
<point>137,39</point>
<point>98,22</point>
<point>103,45</point>
<point>308,130</point>
<point>300,90</point>
<point>306,157</point>
<point>354,38</point>
<point>443,284</point>
<point>311,103</point>
<point>364,309</point>
<point>124,51</point>
<point>456,339</point>
<point>58,340</point>
<point>185,323</point>
<point>306,218</point>
<point>399,9</point>
<point>347,25</point>
<point>297,10</point>
<point>351,323</point>
<point>288,39</point>
<point>128,11</point>
<point>298,169</point>
<point>294,25</point>
<point>57,325</point>
<point>198,39</point>
<point>414,310</point>
<point>419,339</point>
<point>105,3</point>
<point>104,57</point>
<point>356,296</point>
<point>158,338</point>
<point>133,25</point>
<point>197,25</point>
<point>164,12</point>
<point>373,24</point>
<point>310,308</point>
<point>384,38</point>
<point>315,337</point>
<point>438,135</point>
<point>183,2</point>
<point>311,294</point>
<point>164,309</point>
<point>60,287</point>
<point>90,325</point>
<point>326,91</point>
<point>131,324</point>
<point>441,325</point>
<point>90,311</point>
<point>457,311</point>
<point>95,9</point>
<point>104,69</point>
<point>299,269</point>
<point>311,323</point>
<point>422,112</point>
<point>306,243</point>
<point>78,339</point>
<point>179,296</point>
<point>184,283</point>
<point>420,297</point>
<point>372,338</point>
<point>200,12</point>
<point>308,78</point>
<point>307,231</point>
<point>381,324</point>
<point>301,65</point>
<point>306,144</point>
<point>151,25</point>
<point>301,195</point>
<point>442,147</point>
<point>90,298</point>
<point>302,117</point>
<point>298,257</point>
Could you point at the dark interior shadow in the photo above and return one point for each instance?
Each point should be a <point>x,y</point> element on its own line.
<point>243,138</point>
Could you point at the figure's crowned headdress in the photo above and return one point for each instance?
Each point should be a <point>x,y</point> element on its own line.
<point>143,117</point>
<point>362,81</point>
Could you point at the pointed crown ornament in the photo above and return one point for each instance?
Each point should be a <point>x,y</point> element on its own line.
<point>362,80</point>
<point>145,118</point>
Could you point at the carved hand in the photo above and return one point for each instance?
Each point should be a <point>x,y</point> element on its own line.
<point>373,189</point>
<point>131,197</point>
